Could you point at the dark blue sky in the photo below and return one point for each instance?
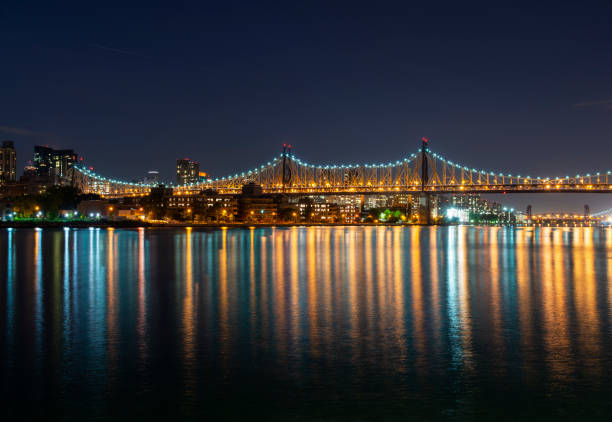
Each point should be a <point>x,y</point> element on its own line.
<point>523,90</point>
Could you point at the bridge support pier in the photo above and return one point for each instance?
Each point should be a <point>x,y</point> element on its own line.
<point>425,209</point>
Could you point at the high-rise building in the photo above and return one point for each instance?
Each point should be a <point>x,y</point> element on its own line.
<point>187,171</point>
<point>8,162</point>
<point>152,177</point>
<point>42,160</point>
<point>29,171</point>
<point>203,176</point>
<point>51,162</point>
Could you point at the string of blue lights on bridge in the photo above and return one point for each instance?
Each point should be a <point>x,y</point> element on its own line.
<point>424,171</point>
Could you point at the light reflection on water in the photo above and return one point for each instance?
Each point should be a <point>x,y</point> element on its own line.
<point>432,322</point>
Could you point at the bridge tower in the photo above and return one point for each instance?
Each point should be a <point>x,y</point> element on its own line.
<point>286,176</point>
<point>424,197</point>
<point>424,166</point>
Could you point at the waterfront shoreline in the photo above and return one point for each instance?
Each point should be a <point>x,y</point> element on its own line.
<point>138,224</point>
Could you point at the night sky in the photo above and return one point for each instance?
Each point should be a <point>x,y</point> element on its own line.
<point>521,90</point>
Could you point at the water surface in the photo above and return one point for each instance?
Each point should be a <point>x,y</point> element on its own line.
<point>341,323</point>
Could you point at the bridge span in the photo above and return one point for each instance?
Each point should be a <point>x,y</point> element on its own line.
<point>422,172</point>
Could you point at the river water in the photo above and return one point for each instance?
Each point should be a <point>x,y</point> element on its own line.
<point>332,323</point>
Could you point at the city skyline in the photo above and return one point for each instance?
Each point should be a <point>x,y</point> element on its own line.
<point>516,90</point>
<point>539,202</point>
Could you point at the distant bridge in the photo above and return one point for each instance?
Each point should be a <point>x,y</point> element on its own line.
<point>560,219</point>
<point>423,171</point>
<point>603,214</point>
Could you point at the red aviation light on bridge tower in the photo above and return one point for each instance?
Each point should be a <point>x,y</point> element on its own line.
<point>424,143</point>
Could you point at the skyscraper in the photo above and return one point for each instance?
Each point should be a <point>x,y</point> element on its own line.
<point>51,162</point>
<point>187,171</point>
<point>8,162</point>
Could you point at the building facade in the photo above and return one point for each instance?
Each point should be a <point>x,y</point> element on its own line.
<point>203,176</point>
<point>471,208</point>
<point>152,177</point>
<point>51,162</point>
<point>187,171</point>
<point>8,162</point>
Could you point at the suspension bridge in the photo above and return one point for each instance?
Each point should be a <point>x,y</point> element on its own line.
<point>424,171</point>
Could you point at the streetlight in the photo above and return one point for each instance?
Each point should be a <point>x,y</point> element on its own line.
<point>190,213</point>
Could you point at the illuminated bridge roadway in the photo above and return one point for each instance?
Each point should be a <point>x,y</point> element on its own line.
<point>423,171</point>
<point>569,220</point>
